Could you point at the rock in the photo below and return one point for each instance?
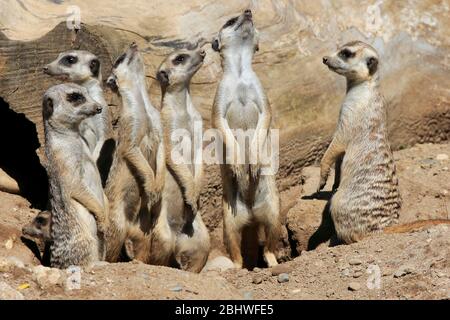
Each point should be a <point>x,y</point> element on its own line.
<point>177,288</point>
<point>248,295</point>
<point>219,263</point>
<point>403,271</point>
<point>9,293</point>
<point>46,277</point>
<point>256,269</point>
<point>257,279</point>
<point>9,244</point>
<point>354,262</point>
<point>354,286</point>
<point>345,272</point>
<point>358,274</point>
<point>283,278</point>
<point>442,157</point>
<point>9,263</point>
<point>281,268</point>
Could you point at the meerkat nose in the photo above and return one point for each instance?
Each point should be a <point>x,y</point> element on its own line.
<point>248,13</point>
<point>325,60</point>
<point>203,53</point>
<point>45,69</point>
<point>99,109</point>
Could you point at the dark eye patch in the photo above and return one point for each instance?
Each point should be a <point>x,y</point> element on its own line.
<point>76,98</point>
<point>181,58</point>
<point>41,220</point>
<point>346,54</point>
<point>69,60</point>
<point>119,60</point>
<point>230,22</point>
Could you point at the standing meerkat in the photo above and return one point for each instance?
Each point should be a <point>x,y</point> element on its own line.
<point>84,68</point>
<point>181,118</point>
<point>368,197</point>
<point>250,199</point>
<point>78,204</point>
<point>137,175</point>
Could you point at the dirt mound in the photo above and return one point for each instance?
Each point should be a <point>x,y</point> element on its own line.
<point>399,266</point>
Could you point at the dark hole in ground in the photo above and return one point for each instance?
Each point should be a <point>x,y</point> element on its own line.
<point>18,144</point>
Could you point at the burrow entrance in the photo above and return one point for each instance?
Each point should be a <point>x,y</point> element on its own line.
<point>18,144</point>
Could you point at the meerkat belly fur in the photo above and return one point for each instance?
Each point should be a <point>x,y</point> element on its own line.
<point>84,68</point>
<point>250,199</point>
<point>367,198</point>
<point>79,206</point>
<point>137,175</point>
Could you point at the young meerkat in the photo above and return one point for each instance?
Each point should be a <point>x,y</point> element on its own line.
<point>250,199</point>
<point>137,175</point>
<point>84,68</point>
<point>78,205</point>
<point>39,231</point>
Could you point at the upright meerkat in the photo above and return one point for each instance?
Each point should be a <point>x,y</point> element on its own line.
<point>137,176</point>
<point>368,197</point>
<point>78,204</point>
<point>84,68</point>
<point>249,198</point>
<point>181,119</point>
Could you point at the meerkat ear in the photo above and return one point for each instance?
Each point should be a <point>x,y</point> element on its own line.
<point>47,108</point>
<point>163,77</point>
<point>372,64</point>
<point>95,67</point>
<point>215,44</point>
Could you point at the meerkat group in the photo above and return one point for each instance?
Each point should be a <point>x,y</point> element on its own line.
<point>119,197</point>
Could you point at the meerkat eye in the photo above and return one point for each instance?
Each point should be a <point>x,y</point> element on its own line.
<point>346,54</point>
<point>76,98</point>
<point>180,59</point>
<point>230,22</point>
<point>41,220</point>
<point>69,60</point>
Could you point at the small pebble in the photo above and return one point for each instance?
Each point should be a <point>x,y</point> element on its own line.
<point>281,268</point>
<point>177,288</point>
<point>248,295</point>
<point>354,286</point>
<point>403,271</point>
<point>442,157</point>
<point>283,278</point>
<point>354,262</point>
<point>257,280</point>
<point>358,274</point>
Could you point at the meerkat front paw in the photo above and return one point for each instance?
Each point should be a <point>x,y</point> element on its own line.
<point>322,182</point>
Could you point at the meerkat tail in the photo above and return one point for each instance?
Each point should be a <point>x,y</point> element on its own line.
<point>415,226</point>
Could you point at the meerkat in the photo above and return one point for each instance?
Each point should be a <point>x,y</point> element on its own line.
<point>137,175</point>
<point>179,237</point>
<point>84,68</point>
<point>250,199</point>
<point>39,231</point>
<point>367,197</point>
<point>78,204</point>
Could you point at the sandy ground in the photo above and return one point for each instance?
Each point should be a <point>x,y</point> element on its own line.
<point>399,266</point>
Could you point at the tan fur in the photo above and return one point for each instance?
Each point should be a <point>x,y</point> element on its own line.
<point>414,226</point>
<point>367,199</point>
<point>79,206</point>
<point>249,198</point>
<point>138,171</point>
<point>186,235</point>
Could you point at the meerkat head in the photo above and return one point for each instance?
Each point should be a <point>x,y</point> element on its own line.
<point>76,65</point>
<point>236,33</point>
<point>128,68</point>
<point>180,66</point>
<point>68,104</point>
<point>357,61</point>
<point>39,228</point>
